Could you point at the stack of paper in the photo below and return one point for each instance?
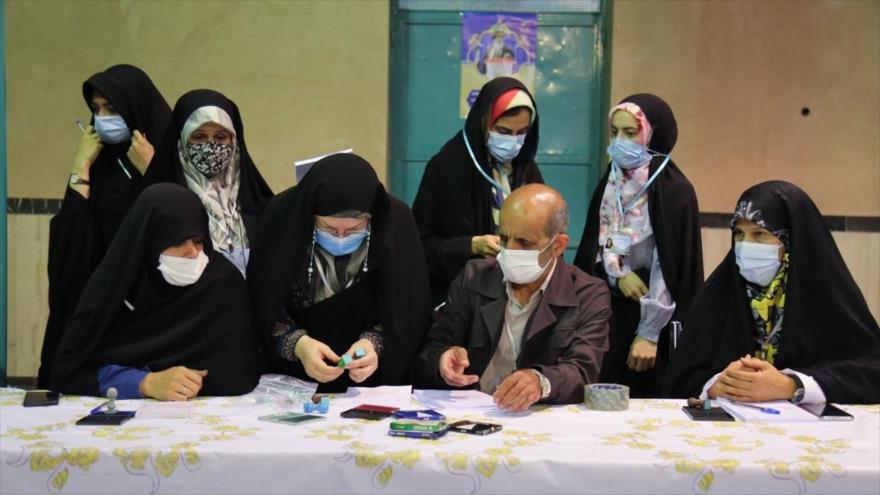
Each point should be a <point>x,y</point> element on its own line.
<point>165,410</point>
<point>445,400</point>
<point>392,396</point>
<point>788,412</point>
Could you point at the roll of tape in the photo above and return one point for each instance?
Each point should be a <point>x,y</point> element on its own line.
<point>606,397</point>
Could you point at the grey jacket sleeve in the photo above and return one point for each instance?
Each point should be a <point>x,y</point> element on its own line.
<point>450,328</point>
<point>581,359</point>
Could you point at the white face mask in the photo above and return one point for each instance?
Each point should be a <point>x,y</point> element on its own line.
<point>521,266</point>
<point>182,271</point>
<point>758,263</point>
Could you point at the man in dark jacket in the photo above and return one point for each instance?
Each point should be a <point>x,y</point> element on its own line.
<point>526,326</point>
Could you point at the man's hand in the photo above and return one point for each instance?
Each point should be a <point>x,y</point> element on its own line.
<point>518,391</point>
<point>453,362</point>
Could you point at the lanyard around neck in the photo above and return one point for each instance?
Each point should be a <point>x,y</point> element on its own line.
<point>477,164</point>
<point>616,170</point>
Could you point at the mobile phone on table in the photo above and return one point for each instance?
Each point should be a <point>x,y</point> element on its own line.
<point>415,425</point>
<point>369,411</point>
<point>474,428</point>
<point>41,398</point>
<point>291,418</point>
<point>104,418</point>
<point>713,414</point>
<point>827,412</point>
<point>423,435</point>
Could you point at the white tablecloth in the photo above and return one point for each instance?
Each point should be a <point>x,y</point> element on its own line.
<point>222,448</point>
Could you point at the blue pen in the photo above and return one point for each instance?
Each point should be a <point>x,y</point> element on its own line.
<point>766,410</point>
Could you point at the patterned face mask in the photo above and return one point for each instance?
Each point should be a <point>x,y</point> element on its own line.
<point>209,158</point>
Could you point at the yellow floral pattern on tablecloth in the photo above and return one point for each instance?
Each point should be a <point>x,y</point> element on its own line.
<point>484,464</point>
<point>380,462</point>
<point>724,443</point>
<point>760,427</point>
<point>128,433</point>
<point>228,432</point>
<point>656,424</point>
<point>160,462</point>
<point>53,455</point>
<point>806,469</point>
<point>816,446</point>
<point>57,460</point>
<point>337,433</point>
<point>634,440</point>
<point>34,432</point>
<point>11,397</point>
<point>703,470</point>
<point>209,419</point>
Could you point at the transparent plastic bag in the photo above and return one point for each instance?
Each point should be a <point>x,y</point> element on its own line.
<point>283,392</point>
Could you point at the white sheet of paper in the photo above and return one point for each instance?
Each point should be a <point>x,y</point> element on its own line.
<point>393,396</point>
<point>788,412</point>
<point>165,410</point>
<point>455,400</point>
<point>302,167</point>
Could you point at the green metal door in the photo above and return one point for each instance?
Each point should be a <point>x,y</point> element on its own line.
<point>571,92</point>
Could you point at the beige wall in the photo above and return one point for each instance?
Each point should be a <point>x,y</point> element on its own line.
<point>312,77</point>
<point>737,74</point>
<point>309,77</point>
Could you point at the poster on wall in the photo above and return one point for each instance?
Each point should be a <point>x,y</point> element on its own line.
<point>495,45</point>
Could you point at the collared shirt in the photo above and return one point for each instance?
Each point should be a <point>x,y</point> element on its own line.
<point>516,318</point>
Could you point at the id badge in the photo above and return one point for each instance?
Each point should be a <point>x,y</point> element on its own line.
<point>618,244</point>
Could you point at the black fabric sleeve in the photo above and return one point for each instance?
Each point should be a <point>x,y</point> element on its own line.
<point>445,255</point>
<point>70,263</point>
<point>848,381</point>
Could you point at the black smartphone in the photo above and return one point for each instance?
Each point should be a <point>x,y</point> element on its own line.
<point>827,412</point>
<point>106,418</point>
<point>713,414</point>
<point>369,411</point>
<point>40,398</point>
<point>424,435</point>
<point>474,428</point>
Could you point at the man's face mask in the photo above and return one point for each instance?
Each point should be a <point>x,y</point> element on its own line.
<point>209,158</point>
<point>521,266</point>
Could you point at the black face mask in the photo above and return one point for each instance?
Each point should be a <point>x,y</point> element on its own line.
<point>209,158</point>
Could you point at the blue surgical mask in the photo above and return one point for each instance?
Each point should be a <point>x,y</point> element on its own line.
<point>340,246</point>
<point>758,263</point>
<point>627,154</point>
<point>504,147</point>
<point>112,129</point>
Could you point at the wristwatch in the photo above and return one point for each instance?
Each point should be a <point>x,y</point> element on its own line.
<point>76,179</point>
<point>799,389</point>
<point>545,383</point>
